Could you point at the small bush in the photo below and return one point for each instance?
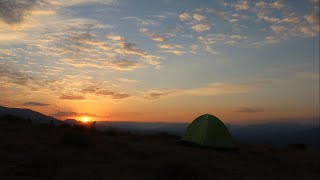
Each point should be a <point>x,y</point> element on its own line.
<point>76,140</point>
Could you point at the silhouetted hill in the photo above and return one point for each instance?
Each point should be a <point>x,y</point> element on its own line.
<point>34,116</point>
<point>71,122</point>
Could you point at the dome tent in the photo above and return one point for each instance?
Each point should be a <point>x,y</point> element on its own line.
<point>208,130</point>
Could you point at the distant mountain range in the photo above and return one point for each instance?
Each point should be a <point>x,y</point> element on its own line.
<point>34,116</point>
<point>277,133</point>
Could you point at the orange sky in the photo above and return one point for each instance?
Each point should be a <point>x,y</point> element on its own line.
<point>242,61</point>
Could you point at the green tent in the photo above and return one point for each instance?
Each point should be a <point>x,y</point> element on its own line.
<point>208,130</point>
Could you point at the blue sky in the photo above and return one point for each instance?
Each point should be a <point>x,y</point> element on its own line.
<point>143,60</point>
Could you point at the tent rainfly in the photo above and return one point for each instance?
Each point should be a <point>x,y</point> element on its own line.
<point>208,130</point>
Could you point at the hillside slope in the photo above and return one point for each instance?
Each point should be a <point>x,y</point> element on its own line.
<point>31,151</point>
<point>34,116</point>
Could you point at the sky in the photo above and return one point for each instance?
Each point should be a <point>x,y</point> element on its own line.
<point>161,60</point>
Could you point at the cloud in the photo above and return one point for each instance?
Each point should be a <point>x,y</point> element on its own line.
<point>72,97</point>
<point>15,11</point>
<point>184,16</point>
<point>278,29</point>
<point>267,40</point>
<point>194,48</point>
<point>141,22</point>
<point>242,5</point>
<point>261,4</point>
<point>208,41</point>
<point>79,45</point>
<point>172,48</point>
<point>43,12</point>
<point>115,95</point>
<point>127,80</point>
<point>99,91</point>
<point>312,18</point>
<point>249,110</point>
<point>279,4</point>
<point>35,104</point>
<point>65,114</point>
<point>157,94</point>
<point>154,36</point>
<point>13,75</point>
<point>130,48</point>
<point>212,89</point>
<point>78,2</point>
<point>11,36</point>
<point>221,88</point>
<point>115,38</point>
<point>124,65</point>
<point>198,17</point>
<point>200,27</point>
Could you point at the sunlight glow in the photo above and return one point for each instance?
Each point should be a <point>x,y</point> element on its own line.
<point>85,119</point>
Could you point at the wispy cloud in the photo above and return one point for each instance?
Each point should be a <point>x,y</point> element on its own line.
<point>74,97</point>
<point>172,48</point>
<point>13,75</point>
<point>201,27</point>
<point>68,114</point>
<point>184,16</point>
<point>15,11</point>
<point>127,80</point>
<point>277,4</point>
<point>79,45</point>
<point>198,17</point>
<point>242,5</point>
<point>154,36</point>
<point>212,89</point>
<point>100,91</point>
<point>35,104</point>
<point>141,22</point>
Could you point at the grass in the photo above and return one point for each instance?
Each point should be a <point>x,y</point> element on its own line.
<point>45,152</point>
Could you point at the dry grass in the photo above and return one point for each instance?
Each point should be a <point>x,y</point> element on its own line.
<point>45,152</point>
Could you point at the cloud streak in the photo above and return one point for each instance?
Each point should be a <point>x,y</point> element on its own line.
<point>35,104</point>
<point>66,114</point>
<point>154,36</point>
<point>72,97</point>
<point>99,91</point>
<point>15,11</point>
<point>212,89</point>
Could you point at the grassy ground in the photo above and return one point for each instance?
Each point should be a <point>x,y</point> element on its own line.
<point>45,152</point>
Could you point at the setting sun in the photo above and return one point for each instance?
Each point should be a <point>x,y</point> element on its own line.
<point>85,119</point>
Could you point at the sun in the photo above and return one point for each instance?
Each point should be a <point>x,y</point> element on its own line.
<point>85,119</point>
